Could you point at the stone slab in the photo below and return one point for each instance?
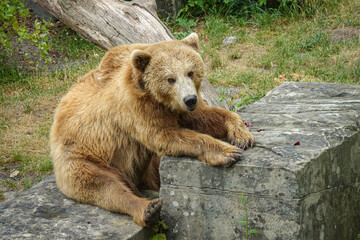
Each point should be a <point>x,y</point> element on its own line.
<point>168,9</point>
<point>43,212</point>
<point>306,191</point>
<point>38,10</point>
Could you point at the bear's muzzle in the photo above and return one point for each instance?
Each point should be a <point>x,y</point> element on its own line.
<point>190,102</point>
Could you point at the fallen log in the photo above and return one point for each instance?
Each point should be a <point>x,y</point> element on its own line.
<point>109,23</point>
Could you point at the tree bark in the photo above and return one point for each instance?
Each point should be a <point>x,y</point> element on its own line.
<point>109,23</point>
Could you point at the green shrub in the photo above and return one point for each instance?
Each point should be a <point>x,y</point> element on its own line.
<point>246,8</point>
<point>13,16</point>
<point>215,7</point>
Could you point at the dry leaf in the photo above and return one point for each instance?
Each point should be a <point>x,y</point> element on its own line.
<point>14,173</point>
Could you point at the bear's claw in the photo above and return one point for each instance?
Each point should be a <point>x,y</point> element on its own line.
<point>238,134</point>
<point>152,212</point>
<point>236,155</point>
<point>232,157</point>
<point>245,143</point>
<point>229,162</point>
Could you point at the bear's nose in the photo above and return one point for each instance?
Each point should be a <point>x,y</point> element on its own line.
<point>190,102</point>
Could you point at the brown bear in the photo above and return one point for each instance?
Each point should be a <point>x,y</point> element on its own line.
<point>141,103</point>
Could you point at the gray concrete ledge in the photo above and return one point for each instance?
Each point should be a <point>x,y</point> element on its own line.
<point>307,191</point>
<point>43,212</point>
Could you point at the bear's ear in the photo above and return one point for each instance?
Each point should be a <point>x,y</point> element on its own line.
<point>192,40</point>
<point>140,59</point>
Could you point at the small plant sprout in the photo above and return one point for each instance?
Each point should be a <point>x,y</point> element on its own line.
<point>246,221</point>
<point>159,229</point>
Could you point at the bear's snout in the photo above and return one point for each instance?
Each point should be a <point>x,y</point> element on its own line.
<point>190,102</point>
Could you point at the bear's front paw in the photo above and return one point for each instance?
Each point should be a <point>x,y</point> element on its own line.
<point>150,215</point>
<point>239,135</point>
<point>152,212</point>
<point>227,157</point>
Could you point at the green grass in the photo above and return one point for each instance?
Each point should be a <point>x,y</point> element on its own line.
<point>307,49</point>
<point>275,46</point>
<point>27,103</point>
<point>2,196</point>
<point>248,231</point>
<point>75,47</point>
<point>26,109</point>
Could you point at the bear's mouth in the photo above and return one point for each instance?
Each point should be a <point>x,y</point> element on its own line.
<point>192,108</point>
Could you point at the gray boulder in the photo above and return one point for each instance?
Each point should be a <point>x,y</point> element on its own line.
<point>229,40</point>
<point>43,212</point>
<point>309,190</point>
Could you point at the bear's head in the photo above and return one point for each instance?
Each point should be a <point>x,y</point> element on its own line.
<point>171,72</point>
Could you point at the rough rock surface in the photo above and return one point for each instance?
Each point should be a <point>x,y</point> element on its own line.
<point>38,10</point>
<point>43,212</point>
<point>211,96</point>
<point>307,191</point>
<point>169,8</point>
<point>229,40</point>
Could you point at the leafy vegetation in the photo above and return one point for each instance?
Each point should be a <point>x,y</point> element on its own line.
<point>246,221</point>
<point>251,8</point>
<point>159,230</point>
<point>13,17</point>
<point>76,47</point>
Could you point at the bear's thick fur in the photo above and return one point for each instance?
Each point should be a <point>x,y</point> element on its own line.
<point>141,103</point>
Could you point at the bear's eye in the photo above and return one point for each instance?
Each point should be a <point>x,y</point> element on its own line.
<point>190,74</point>
<point>171,80</point>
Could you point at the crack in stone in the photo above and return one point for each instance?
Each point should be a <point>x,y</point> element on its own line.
<point>216,191</point>
<point>269,149</point>
<point>329,188</point>
<point>252,111</point>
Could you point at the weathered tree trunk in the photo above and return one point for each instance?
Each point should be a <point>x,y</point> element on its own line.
<point>109,23</point>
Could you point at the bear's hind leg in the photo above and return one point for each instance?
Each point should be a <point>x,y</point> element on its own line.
<point>151,178</point>
<point>105,187</point>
